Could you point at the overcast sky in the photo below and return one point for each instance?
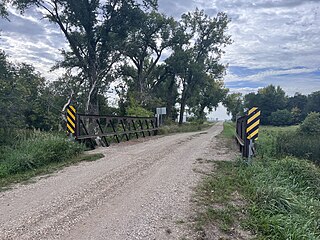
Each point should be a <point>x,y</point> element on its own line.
<point>275,41</point>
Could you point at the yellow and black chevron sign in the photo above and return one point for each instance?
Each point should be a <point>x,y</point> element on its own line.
<point>253,122</point>
<point>71,119</point>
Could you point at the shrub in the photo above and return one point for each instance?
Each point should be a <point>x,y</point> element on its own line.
<point>281,118</point>
<point>311,125</point>
<point>39,150</point>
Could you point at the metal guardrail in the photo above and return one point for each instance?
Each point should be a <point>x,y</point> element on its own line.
<point>113,128</point>
<point>241,136</point>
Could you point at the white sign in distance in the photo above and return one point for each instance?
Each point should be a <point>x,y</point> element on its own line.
<point>161,111</point>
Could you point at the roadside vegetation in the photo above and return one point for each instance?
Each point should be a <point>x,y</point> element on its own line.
<point>29,153</point>
<point>194,126</point>
<point>276,197</point>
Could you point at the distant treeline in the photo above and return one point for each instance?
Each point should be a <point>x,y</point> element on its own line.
<point>277,108</point>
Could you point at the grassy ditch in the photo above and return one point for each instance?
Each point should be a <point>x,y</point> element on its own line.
<point>276,197</point>
<point>280,142</point>
<point>186,127</point>
<point>38,153</point>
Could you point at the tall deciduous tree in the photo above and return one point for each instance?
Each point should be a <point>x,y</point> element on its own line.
<point>94,30</point>
<point>198,51</point>
<point>144,47</point>
<point>208,95</point>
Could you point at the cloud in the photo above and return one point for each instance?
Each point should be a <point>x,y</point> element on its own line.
<point>275,41</point>
<point>26,38</point>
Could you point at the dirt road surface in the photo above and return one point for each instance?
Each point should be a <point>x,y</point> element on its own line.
<point>137,191</point>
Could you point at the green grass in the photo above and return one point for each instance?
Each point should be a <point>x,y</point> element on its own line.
<point>279,196</point>
<point>39,153</point>
<point>228,130</point>
<point>288,141</point>
<point>186,127</point>
<point>216,195</point>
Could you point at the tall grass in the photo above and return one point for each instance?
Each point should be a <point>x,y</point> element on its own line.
<point>282,192</point>
<point>285,198</point>
<point>36,150</point>
<point>288,141</point>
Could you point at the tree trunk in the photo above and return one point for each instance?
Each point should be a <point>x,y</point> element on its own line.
<point>170,98</point>
<point>183,104</point>
<point>201,112</point>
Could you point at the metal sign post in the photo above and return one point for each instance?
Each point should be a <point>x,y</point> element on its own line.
<point>160,112</point>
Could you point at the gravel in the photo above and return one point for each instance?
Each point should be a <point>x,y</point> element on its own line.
<point>139,190</point>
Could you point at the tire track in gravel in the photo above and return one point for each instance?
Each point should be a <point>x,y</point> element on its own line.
<point>137,191</point>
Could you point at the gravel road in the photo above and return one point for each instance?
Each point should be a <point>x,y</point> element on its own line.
<point>138,190</point>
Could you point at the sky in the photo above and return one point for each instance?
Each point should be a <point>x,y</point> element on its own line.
<point>274,42</point>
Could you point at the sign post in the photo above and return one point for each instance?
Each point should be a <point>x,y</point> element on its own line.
<point>160,112</point>
<point>252,130</point>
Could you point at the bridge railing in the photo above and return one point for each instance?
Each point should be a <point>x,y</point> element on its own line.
<point>114,128</point>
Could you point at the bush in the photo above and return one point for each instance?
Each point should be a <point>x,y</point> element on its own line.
<point>39,150</point>
<point>311,125</point>
<point>281,118</point>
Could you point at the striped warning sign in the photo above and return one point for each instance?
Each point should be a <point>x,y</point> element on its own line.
<point>253,122</point>
<point>71,119</point>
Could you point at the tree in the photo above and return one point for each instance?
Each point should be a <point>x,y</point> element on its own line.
<point>268,99</point>
<point>297,101</point>
<point>281,118</point>
<point>311,125</point>
<point>95,32</point>
<point>313,104</point>
<point>22,97</point>
<point>144,47</point>
<point>233,103</point>
<point>198,51</point>
<point>208,95</point>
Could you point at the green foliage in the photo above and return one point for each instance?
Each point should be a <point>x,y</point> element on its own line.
<point>38,150</point>
<point>313,104</point>
<point>23,100</point>
<point>285,198</point>
<point>281,118</point>
<point>208,95</point>
<point>297,106</point>
<point>135,110</point>
<point>311,125</point>
<point>233,103</point>
<point>288,141</point>
<point>268,99</point>
<point>197,53</point>
<point>229,130</point>
<point>279,198</point>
